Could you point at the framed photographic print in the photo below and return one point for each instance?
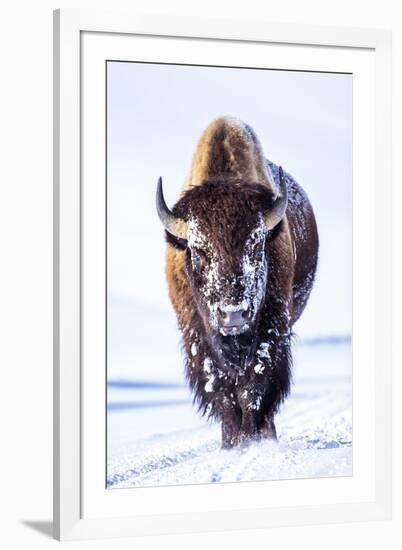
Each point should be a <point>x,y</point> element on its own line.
<point>222,286</point>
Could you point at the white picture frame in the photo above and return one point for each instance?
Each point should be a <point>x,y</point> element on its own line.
<point>83,508</point>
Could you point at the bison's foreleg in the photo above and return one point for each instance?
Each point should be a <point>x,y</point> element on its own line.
<point>268,430</point>
<point>231,426</point>
<point>249,425</point>
<point>256,423</point>
<point>250,399</point>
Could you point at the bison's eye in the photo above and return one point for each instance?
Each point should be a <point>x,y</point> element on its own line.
<point>199,259</point>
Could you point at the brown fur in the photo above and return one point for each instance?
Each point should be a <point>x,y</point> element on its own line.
<point>228,146</point>
<point>230,182</point>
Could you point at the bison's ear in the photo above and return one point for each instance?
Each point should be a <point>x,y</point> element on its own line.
<point>277,211</point>
<point>176,226</point>
<point>179,244</point>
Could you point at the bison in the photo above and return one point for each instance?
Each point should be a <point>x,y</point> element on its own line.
<point>242,248</point>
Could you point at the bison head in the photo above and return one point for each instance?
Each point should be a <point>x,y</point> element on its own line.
<point>224,226</point>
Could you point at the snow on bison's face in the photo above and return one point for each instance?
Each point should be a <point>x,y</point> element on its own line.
<point>224,226</point>
<point>228,273</point>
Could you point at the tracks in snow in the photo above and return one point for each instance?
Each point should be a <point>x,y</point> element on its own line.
<point>315,439</point>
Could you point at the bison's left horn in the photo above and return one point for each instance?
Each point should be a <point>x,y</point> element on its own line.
<point>274,215</point>
<point>174,225</point>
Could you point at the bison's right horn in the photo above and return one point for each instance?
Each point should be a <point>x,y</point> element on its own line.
<point>274,215</point>
<point>174,225</point>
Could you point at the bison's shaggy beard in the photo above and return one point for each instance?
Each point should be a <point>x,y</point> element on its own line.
<point>239,382</point>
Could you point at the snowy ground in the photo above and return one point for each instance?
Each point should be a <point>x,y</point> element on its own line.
<point>155,436</point>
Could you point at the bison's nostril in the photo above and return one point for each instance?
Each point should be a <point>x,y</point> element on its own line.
<point>233,316</point>
<point>222,313</point>
<point>246,314</point>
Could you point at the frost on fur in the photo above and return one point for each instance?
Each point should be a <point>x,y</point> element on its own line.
<point>237,283</point>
